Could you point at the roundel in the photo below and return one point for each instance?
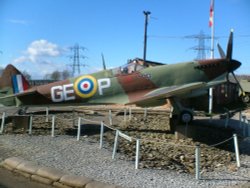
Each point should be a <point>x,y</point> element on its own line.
<point>85,86</point>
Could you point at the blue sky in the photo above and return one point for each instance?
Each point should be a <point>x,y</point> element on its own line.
<point>35,35</point>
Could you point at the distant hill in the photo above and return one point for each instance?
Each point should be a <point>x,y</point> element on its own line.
<point>243,77</point>
<point>239,77</point>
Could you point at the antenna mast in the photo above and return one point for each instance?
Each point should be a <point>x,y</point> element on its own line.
<point>146,13</point>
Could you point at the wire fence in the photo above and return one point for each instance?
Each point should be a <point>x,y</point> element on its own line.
<point>119,133</point>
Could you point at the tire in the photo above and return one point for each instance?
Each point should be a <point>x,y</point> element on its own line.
<point>22,111</point>
<point>186,117</point>
<point>246,98</point>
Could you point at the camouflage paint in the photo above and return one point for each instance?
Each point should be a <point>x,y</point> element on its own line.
<point>129,88</point>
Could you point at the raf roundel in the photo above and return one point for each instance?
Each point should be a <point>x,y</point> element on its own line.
<point>85,86</point>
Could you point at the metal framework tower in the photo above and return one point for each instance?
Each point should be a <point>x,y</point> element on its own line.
<point>201,48</point>
<point>76,59</point>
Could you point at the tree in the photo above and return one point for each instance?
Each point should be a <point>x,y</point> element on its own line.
<point>47,76</point>
<point>65,74</point>
<point>26,75</point>
<point>56,75</point>
<point>1,71</point>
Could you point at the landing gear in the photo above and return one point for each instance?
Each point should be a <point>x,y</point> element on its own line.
<point>186,116</point>
<point>245,98</point>
<point>22,110</point>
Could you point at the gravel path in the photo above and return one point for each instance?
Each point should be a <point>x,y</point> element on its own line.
<point>85,158</point>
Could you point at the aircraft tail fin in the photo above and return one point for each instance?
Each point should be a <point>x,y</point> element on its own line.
<point>13,81</point>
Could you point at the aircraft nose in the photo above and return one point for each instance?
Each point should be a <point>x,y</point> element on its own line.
<point>233,65</point>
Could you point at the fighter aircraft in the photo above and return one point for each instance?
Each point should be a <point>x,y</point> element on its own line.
<point>139,82</point>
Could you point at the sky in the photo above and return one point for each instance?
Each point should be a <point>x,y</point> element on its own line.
<point>37,35</point>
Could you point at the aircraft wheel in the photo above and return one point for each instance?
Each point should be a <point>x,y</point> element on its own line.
<point>186,116</point>
<point>245,98</point>
<point>22,111</point>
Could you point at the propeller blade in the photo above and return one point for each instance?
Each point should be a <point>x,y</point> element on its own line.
<point>230,46</point>
<point>103,62</point>
<point>221,51</point>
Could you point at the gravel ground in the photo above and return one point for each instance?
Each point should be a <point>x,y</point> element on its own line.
<point>85,158</point>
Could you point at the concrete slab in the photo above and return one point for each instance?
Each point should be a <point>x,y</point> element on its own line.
<point>13,162</point>
<point>28,167</point>
<point>12,180</point>
<point>75,181</point>
<point>97,184</point>
<point>50,173</point>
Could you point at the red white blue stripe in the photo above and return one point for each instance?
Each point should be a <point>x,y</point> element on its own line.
<point>19,83</point>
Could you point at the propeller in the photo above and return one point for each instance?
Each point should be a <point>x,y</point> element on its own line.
<point>230,46</point>
<point>222,53</point>
<point>230,61</point>
<point>103,62</point>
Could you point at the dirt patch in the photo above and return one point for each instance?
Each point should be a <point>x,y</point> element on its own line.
<point>159,149</point>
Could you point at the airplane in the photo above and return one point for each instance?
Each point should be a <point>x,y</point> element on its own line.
<point>143,83</point>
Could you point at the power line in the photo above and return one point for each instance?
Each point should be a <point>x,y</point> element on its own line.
<point>183,37</point>
<point>201,48</point>
<point>76,64</point>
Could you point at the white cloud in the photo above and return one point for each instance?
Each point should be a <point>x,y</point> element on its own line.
<point>20,60</point>
<point>39,50</point>
<point>40,58</point>
<point>18,21</point>
<point>43,48</point>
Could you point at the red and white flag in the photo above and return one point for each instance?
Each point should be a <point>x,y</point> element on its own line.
<point>211,14</point>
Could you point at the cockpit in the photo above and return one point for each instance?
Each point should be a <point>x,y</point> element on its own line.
<point>133,66</point>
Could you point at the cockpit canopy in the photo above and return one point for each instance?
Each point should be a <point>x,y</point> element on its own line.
<point>134,66</point>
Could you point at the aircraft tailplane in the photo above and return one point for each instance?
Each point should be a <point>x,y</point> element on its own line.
<point>13,81</point>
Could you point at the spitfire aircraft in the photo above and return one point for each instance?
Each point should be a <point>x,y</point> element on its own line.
<point>139,82</point>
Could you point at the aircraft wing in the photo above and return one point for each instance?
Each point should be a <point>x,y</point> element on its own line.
<point>166,92</point>
<point>27,97</point>
<point>214,83</point>
<point>31,97</point>
<point>3,91</point>
<point>160,95</point>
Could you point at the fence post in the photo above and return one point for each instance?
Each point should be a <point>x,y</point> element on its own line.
<point>130,113</point>
<point>79,129</point>
<point>236,148</point>
<point>115,144</point>
<point>197,162</point>
<point>74,115</point>
<point>145,114</point>
<point>240,117</point>
<point>137,152</point>
<point>244,118</point>
<point>101,135</point>
<point>110,118</point>
<point>53,126</point>
<point>2,123</point>
<point>125,114</point>
<point>47,114</point>
<point>30,124</point>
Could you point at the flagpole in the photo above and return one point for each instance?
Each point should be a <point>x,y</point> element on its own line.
<point>212,31</point>
<point>211,24</point>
